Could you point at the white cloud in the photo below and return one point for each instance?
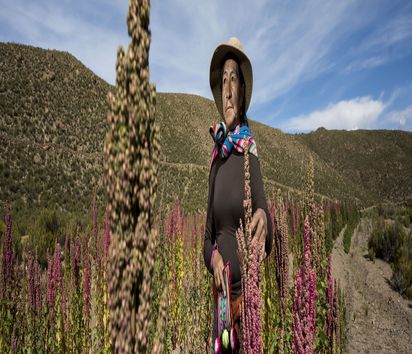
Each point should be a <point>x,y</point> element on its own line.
<point>286,43</point>
<point>357,113</point>
<point>73,27</point>
<point>368,63</point>
<point>389,41</point>
<point>402,118</point>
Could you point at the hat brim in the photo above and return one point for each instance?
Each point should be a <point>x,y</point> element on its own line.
<point>216,71</point>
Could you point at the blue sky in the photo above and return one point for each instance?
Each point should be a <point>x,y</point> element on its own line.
<point>336,64</point>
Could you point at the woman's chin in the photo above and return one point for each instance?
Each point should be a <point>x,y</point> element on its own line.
<point>230,122</point>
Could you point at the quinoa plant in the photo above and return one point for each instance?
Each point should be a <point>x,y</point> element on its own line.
<point>305,295</point>
<point>250,258</point>
<point>131,164</point>
<point>8,295</point>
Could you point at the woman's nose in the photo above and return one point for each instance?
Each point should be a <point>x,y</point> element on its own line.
<point>228,91</point>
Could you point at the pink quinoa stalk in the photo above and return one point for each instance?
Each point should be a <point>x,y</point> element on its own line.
<point>173,220</point>
<point>182,225</point>
<point>65,309</point>
<point>95,231</point>
<point>75,258</point>
<point>37,283</point>
<point>250,258</point>
<point>107,234</point>
<point>56,265</point>
<point>87,290</point>
<point>85,255</point>
<point>7,254</point>
<point>34,286</point>
<point>330,322</point>
<point>50,285</point>
<point>336,311</point>
<point>31,281</point>
<point>101,252</point>
<point>281,238</point>
<point>305,294</point>
<point>72,261</point>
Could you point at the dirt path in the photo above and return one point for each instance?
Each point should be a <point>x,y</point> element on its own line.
<point>379,320</point>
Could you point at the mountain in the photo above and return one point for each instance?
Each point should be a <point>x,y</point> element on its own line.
<point>52,130</point>
<point>379,161</point>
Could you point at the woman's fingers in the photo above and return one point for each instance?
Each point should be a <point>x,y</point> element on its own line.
<point>258,224</point>
<point>253,223</point>
<point>217,280</point>
<point>259,238</point>
<point>222,283</point>
<point>260,234</point>
<point>259,230</point>
<point>252,226</point>
<point>218,277</point>
<point>218,273</point>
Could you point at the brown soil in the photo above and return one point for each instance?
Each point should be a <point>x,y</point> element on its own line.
<point>378,319</point>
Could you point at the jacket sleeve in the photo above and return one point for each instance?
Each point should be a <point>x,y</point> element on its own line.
<point>210,232</point>
<point>258,198</point>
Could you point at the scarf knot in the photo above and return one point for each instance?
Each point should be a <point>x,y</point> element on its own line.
<point>226,140</point>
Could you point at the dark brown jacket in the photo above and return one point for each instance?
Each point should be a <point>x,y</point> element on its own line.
<point>225,209</point>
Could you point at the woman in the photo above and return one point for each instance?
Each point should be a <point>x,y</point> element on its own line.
<point>231,83</point>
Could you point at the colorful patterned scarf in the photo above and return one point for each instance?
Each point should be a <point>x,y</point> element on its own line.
<point>225,140</point>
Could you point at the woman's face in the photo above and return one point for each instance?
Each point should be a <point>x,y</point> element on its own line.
<point>232,93</point>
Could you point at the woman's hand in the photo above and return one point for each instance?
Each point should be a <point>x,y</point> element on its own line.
<point>259,229</point>
<point>218,266</point>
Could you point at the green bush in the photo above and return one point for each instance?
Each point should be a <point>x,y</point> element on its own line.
<point>352,219</point>
<point>49,226</point>
<point>385,240</point>
<point>393,243</point>
<point>402,268</point>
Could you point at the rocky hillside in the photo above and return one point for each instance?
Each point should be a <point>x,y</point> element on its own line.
<point>52,129</point>
<point>378,160</point>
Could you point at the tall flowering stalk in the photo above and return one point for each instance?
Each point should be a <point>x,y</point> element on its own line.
<point>174,221</point>
<point>51,291</point>
<point>330,297</point>
<point>305,294</point>
<point>281,239</point>
<point>295,219</point>
<point>107,235</point>
<point>94,244</point>
<point>337,298</point>
<point>56,265</point>
<point>175,275</point>
<point>75,261</point>
<point>7,273</point>
<point>269,293</point>
<point>309,202</point>
<point>34,296</point>
<point>8,289</point>
<point>86,288</point>
<point>131,166</point>
<point>250,258</point>
<point>34,286</point>
<point>311,210</point>
<point>319,241</point>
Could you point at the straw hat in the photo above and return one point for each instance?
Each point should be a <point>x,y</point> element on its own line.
<point>234,47</point>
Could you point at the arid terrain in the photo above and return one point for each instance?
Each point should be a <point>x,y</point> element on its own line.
<point>379,320</point>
